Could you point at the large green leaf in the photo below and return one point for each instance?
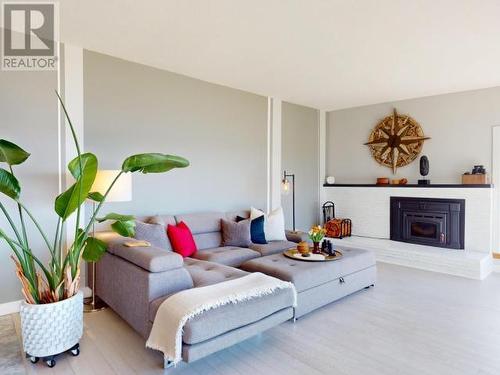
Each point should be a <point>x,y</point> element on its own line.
<point>95,196</point>
<point>11,153</point>
<point>94,249</point>
<point>153,163</point>
<point>9,184</point>
<point>115,216</point>
<point>124,228</point>
<point>67,202</point>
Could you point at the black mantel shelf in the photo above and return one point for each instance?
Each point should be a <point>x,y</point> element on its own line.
<point>483,186</point>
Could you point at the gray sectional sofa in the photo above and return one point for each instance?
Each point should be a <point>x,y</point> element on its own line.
<point>135,281</point>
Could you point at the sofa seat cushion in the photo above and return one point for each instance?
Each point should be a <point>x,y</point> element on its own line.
<point>206,273</point>
<point>272,247</point>
<point>307,275</point>
<point>227,255</point>
<point>215,322</point>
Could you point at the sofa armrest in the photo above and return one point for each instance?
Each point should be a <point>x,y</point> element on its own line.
<point>296,236</point>
<point>150,258</point>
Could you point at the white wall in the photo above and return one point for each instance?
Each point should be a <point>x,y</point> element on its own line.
<point>459,125</point>
<point>131,108</point>
<point>300,127</point>
<point>28,108</point>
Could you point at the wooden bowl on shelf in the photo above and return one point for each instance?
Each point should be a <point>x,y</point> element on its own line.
<point>382,181</point>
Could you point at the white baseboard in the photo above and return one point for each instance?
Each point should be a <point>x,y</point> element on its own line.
<point>10,307</point>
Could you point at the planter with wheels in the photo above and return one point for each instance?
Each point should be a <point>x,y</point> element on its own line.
<point>51,329</point>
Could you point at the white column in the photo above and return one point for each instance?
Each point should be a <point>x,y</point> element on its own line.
<point>495,180</point>
<point>322,159</point>
<point>274,153</point>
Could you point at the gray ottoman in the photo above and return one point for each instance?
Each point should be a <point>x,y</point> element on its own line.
<point>319,283</point>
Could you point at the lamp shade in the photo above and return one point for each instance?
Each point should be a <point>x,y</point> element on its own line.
<point>122,189</point>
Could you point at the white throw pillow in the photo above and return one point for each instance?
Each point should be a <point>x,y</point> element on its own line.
<point>274,223</point>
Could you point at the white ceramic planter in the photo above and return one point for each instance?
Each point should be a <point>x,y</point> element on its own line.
<point>52,328</point>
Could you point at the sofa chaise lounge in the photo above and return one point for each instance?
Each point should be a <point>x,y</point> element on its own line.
<point>135,281</point>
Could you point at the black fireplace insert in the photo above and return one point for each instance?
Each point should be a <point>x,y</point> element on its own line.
<point>428,221</point>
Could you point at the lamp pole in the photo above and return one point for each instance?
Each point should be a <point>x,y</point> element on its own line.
<point>292,175</point>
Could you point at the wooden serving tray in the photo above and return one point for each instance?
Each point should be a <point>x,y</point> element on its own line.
<point>294,254</point>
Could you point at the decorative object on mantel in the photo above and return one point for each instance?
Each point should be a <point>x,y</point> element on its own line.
<point>477,177</point>
<point>424,171</point>
<point>330,180</point>
<point>316,234</point>
<point>396,141</point>
<point>383,181</point>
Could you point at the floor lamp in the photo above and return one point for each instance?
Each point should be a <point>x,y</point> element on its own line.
<point>285,185</point>
<point>121,192</point>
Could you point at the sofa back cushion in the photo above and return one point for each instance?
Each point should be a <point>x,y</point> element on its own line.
<point>155,234</point>
<point>205,226</point>
<point>203,222</point>
<point>234,214</point>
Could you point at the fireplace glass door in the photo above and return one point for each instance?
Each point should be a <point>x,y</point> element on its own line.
<point>425,228</point>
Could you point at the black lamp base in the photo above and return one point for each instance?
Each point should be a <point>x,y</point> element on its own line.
<point>92,305</point>
<point>424,182</point>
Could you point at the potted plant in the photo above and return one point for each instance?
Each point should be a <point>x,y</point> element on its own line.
<point>51,314</point>
<point>316,234</point>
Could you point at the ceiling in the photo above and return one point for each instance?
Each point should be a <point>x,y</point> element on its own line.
<point>324,54</point>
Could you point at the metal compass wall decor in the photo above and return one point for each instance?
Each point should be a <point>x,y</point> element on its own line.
<point>396,141</point>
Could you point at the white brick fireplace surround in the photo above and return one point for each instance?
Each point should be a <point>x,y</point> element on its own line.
<point>368,208</point>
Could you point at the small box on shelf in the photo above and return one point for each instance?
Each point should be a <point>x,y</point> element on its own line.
<point>474,179</point>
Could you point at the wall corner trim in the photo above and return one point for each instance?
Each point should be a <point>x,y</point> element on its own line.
<point>10,307</point>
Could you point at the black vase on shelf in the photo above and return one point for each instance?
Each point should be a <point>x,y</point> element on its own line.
<point>424,171</point>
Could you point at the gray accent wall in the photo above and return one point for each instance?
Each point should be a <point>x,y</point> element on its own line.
<point>132,108</point>
<point>28,108</point>
<point>300,156</point>
<point>460,127</point>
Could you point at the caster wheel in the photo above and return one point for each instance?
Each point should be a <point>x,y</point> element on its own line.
<point>34,359</point>
<point>75,352</point>
<point>51,363</point>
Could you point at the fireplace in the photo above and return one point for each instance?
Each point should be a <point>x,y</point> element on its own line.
<point>428,221</point>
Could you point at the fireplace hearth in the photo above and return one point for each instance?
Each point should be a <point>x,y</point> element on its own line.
<point>428,221</point>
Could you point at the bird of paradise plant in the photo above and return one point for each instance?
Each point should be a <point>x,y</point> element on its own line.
<point>59,278</point>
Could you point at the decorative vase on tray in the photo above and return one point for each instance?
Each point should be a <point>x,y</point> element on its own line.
<point>316,234</point>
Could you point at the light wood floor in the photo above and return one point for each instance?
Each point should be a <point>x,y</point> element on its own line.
<point>412,322</point>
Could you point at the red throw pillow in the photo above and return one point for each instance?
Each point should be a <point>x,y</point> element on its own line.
<point>181,239</point>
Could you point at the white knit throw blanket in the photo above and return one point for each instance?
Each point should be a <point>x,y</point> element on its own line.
<point>176,310</point>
